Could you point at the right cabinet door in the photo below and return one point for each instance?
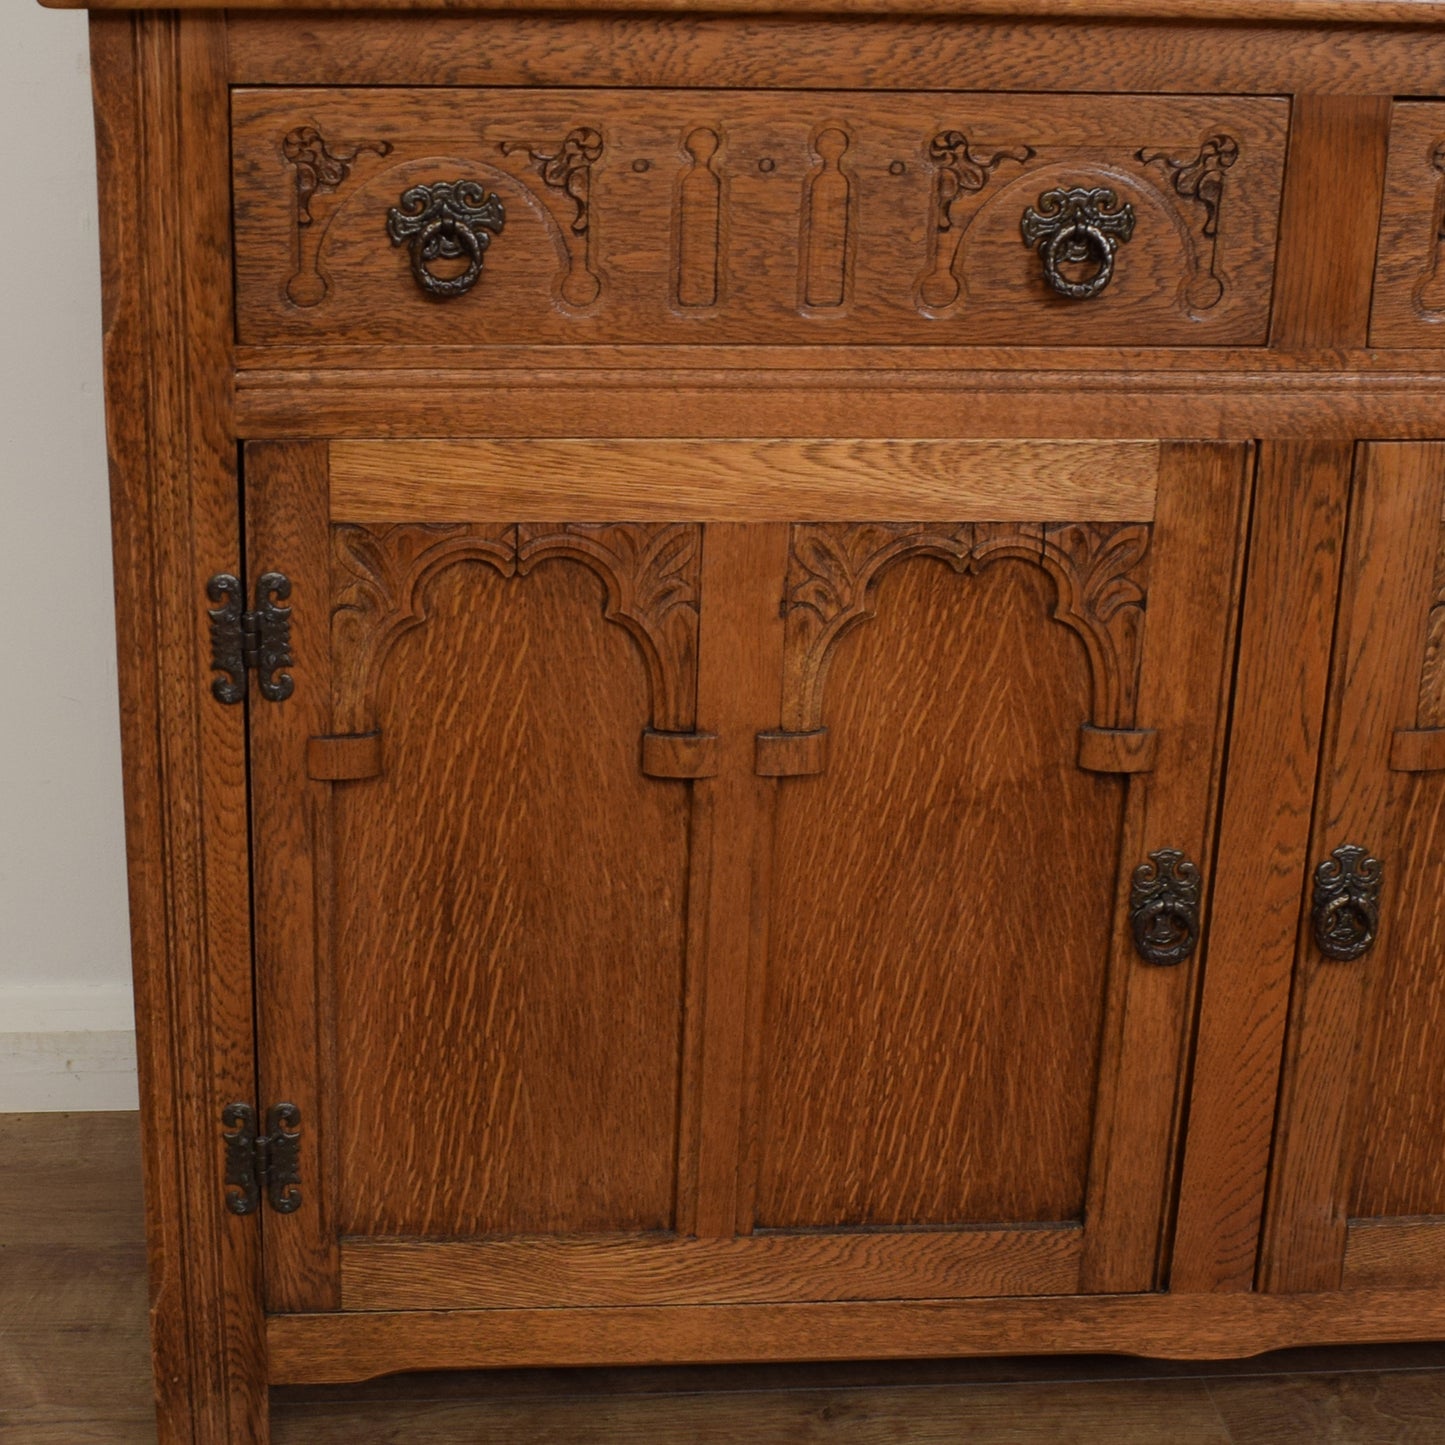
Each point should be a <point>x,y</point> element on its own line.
<point>1358,1187</point>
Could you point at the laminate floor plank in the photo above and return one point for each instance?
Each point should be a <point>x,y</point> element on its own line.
<point>75,1366</point>
<point>1113,1413</point>
<point>1403,1407</point>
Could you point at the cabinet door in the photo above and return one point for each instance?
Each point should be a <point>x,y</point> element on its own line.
<point>471,833</point>
<point>626,937</point>
<point>989,726</point>
<point>1358,1186</point>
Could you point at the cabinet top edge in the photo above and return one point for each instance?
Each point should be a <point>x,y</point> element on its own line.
<point>1356,12</point>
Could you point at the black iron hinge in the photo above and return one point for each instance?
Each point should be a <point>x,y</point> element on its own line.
<point>259,639</point>
<point>269,1161</point>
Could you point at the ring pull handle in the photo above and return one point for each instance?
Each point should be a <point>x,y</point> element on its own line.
<point>447,221</point>
<point>1346,913</point>
<point>1164,908</point>
<point>1078,227</point>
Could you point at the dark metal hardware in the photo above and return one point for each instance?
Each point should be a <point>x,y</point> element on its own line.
<point>242,641</point>
<point>1346,912</point>
<point>446,221</point>
<point>1164,908</point>
<point>1078,227</point>
<point>269,1161</point>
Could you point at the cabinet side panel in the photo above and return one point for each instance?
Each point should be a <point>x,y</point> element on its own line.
<point>161,114</point>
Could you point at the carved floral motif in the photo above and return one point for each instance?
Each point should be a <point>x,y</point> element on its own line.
<point>565,170</point>
<point>320,171</point>
<point>834,567</point>
<point>651,572</point>
<point>960,178</point>
<point>1429,293</point>
<point>1198,176</point>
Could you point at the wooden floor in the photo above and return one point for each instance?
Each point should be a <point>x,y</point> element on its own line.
<point>74,1367</point>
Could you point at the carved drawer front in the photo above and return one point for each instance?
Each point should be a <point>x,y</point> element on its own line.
<point>476,216</point>
<point>1409,301</point>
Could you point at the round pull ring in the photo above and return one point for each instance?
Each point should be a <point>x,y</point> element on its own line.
<point>1075,227</point>
<point>446,221</point>
<point>1346,913</point>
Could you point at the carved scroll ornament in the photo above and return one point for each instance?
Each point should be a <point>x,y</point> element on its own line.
<point>834,569</point>
<point>651,571</point>
<point>1198,176</point>
<point>960,178</point>
<point>565,169</point>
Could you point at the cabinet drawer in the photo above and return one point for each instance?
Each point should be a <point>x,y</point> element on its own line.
<point>597,216</point>
<point>1409,300</point>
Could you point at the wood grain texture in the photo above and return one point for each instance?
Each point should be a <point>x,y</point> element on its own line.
<point>287,531</point>
<point>1117,750</point>
<point>1337,149</point>
<point>910,881</point>
<point>335,1348</point>
<point>1418,750</point>
<point>818,52</point>
<point>1196,548</point>
<point>738,480</point>
<point>1409,292</point>
<point>474,958</point>
<point>1382,11</point>
<point>343,757</point>
<point>1295,542</point>
<point>864,402</point>
<point>557,1272</point>
<point>1400,1253</point>
<point>1374,689</point>
<point>741,657</point>
<point>1402,1105</point>
<point>908,166</point>
<point>159,93</point>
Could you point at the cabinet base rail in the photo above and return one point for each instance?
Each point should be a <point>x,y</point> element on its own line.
<point>320,1349</point>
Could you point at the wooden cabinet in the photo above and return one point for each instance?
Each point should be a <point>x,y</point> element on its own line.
<point>745,739</point>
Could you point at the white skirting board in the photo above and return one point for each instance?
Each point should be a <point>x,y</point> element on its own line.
<point>66,1048</point>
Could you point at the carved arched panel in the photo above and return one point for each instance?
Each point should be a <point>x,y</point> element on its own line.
<point>651,572</point>
<point>1099,572</point>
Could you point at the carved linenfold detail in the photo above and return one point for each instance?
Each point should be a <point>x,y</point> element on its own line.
<point>653,575</point>
<point>565,169</point>
<point>651,571</point>
<point>699,221</point>
<point>827,223</point>
<point>834,567</point>
<point>960,178</point>
<point>1432,672</point>
<point>1429,293</point>
<point>1198,176</point>
<point>320,170</point>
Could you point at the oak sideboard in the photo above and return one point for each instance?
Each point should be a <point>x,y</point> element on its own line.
<point>783,678</point>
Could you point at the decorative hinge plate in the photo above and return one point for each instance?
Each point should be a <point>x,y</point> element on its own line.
<point>243,641</point>
<point>257,1162</point>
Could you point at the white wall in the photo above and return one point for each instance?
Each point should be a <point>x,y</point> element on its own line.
<point>65,1011</point>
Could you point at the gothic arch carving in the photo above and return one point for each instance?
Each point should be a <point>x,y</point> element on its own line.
<point>651,573</point>
<point>834,568</point>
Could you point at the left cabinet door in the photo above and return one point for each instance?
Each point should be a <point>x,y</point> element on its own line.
<point>471,861</point>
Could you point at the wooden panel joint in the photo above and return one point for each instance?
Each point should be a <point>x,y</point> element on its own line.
<point>792,755</point>
<point>679,755</point>
<point>1417,750</point>
<point>1117,750</point>
<point>344,757</point>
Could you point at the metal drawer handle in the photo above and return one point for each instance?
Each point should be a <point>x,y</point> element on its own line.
<point>1346,912</point>
<point>446,221</point>
<point>1078,227</point>
<point>1164,908</point>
